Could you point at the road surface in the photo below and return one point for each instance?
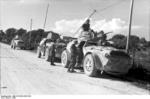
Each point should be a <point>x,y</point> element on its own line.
<point>22,73</point>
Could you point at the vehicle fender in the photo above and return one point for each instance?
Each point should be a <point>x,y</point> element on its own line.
<point>97,60</point>
<point>63,49</point>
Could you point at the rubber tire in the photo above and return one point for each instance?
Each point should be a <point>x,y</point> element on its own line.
<point>65,54</point>
<point>94,70</point>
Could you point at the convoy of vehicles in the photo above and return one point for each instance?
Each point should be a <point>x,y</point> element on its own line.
<point>95,58</point>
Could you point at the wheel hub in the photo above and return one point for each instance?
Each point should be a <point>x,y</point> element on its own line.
<point>88,65</point>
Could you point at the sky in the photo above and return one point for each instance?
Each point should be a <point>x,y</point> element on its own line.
<point>66,16</point>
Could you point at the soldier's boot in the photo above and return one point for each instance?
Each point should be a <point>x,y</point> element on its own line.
<point>69,69</point>
<point>52,63</point>
<point>72,69</point>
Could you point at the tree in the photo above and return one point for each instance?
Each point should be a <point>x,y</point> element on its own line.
<point>10,34</point>
<point>32,38</point>
<point>20,32</point>
<point>39,35</point>
<point>148,43</point>
<point>119,41</point>
<point>2,35</point>
<point>134,42</point>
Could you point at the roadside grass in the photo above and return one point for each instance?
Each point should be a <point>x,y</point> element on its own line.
<point>142,61</point>
<point>139,74</point>
<point>140,77</point>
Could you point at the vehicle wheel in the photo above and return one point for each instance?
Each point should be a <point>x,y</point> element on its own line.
<point>47,57</point>
<point>65,58</point>
<point>38,53</point>
<point>89,66</point>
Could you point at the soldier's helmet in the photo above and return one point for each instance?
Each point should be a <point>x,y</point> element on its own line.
<point>87,21</point>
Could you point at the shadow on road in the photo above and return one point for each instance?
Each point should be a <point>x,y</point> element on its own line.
<point>141,81</point>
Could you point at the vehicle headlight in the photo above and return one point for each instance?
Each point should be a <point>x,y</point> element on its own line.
<point>107,55</point>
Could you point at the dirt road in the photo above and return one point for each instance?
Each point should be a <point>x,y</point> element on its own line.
<point>23,73</point>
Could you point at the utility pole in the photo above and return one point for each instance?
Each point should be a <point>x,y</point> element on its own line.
<point>130,25</point>
<point>46,16</point>
<point>31,22</point>
<point>149,22</point>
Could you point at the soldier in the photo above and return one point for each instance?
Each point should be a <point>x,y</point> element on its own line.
<point>86,33</point>
<point>43,44</point>
<point>79,53</point>
<point>86,25</point>
<point>73,54</point>
<point>52,52</point>
<point>103,38</point>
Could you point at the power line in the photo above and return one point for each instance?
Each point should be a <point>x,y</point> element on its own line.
<point>101,11</point>
<point>112,5</point>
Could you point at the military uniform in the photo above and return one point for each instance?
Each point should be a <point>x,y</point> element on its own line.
<point>52,53</point>
<point>86,25</point>
<point>86,33</point>
<point>102,38</point>
<point>43,44</point>
<point>79,54</point>
<point>73,55</point>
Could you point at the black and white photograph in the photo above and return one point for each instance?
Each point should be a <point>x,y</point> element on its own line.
<point>74,47</point>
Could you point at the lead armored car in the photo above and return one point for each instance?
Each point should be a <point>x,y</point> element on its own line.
<point>104,58</point>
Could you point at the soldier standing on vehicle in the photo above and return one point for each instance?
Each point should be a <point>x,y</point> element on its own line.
<point>52,52</point>
<point>86,33</point>
<point>103,38</point>
<point>73,54</point>
<point>86,25</point>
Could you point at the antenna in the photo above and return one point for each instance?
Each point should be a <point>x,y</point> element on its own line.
<point>46,16</point>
